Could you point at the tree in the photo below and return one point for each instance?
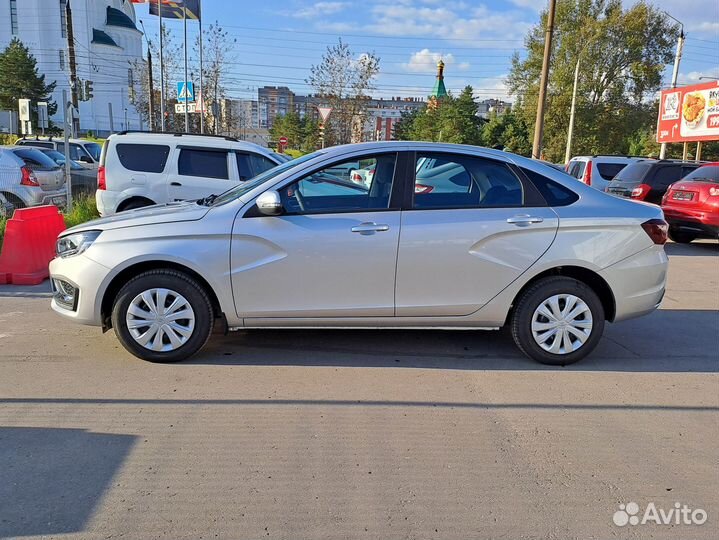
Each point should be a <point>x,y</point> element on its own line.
<point>217,45</point>
<point>302,134</point>
<point>622,56</point>
<point>343,81</point>
<point>507,131</point>
<point>19,79</point>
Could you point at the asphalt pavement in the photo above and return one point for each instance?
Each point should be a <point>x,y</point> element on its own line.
<point>363,434</point>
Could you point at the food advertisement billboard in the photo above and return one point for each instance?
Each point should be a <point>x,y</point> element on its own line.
<point>689,113</point>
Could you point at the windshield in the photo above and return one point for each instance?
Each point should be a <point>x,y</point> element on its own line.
<point>94,150</point>
<point>707,173</point>
<point>245,187</point>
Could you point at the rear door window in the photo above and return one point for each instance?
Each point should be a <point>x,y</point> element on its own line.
<point>554,193</point>
<point>260,164</point>
<point>205,163</point>
<point>576,169</point>
<point>665,175</point>
<point>143,157</point>
<point>609,170</point>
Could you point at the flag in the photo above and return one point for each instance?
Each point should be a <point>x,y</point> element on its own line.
<point>172,9</point>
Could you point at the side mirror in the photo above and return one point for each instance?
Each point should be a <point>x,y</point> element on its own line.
<point>86,159</point>
<point>269,203</point>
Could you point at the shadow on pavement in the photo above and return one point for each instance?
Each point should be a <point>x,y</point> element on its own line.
<point>665,341</point>
<point>695,249</point>
<point>52,479</point>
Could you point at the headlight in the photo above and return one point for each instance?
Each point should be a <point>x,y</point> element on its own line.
<point>74,244</point>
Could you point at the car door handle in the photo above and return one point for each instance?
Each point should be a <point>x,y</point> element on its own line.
<point>524,219</point>
<point>369,228</point>
<point>175,184</point>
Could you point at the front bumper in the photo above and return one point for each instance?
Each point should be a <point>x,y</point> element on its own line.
<point>638,282</point>
<point>87,277</point>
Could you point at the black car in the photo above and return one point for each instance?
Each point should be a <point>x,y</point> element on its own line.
<point>649,180</point>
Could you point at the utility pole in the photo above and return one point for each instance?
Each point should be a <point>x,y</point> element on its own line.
<point>151,101</point>
<point>539,123</point>
<point>202,94</point>
<point>73,65</point>
<point>162,73</point>
<point>66,150</point>
<point>570,131</point>
<point>187,104</point>
<point>675,74</point>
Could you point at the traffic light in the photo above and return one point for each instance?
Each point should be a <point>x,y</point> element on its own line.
<point>80,90</point>
<point>88,91</point>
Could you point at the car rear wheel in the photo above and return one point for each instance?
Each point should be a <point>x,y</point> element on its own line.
<point>681,237</point>
<point>558,321</point>
<point>162,316</point>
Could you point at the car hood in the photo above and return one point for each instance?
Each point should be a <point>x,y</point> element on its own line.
<point>150,215</point>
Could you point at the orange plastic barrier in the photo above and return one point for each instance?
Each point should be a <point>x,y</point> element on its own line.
<point>29,244</point>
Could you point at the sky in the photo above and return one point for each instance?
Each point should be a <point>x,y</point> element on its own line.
<point>276,42</point>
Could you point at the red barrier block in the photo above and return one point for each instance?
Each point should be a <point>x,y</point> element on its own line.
<point>29,244</point>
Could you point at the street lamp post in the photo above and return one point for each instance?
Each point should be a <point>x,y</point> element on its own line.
<point>675,74</point>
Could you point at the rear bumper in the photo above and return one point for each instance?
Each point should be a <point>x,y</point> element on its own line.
<point>638,282</point>
<point>34,196</point>
<point>106,202</point>
<point>697,221</point>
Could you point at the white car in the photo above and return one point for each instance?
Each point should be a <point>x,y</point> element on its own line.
<point>513,243</point>
<point>86,153</point>
<point>598,171</point>
<point>142,169</point>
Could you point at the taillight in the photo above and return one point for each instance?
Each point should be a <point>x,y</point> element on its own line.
<point>714,191</point>
<point>421,189</point>
<point>28,177</point>
<point>641,191</point>
<point>356,178</point>
<point>587,179</point>
<point>101,182</point>
<point>657,230</point>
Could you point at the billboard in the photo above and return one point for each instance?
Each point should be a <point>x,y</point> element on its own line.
<point>689,113</point>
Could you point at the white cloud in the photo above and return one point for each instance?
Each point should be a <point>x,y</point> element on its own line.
<point>425,61</point>
<point>320,9</point>
<point>693,77</point>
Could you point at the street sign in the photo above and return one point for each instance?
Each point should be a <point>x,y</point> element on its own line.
<point>185,92</point>
<point>180,108</point>
<point>42,114</point>
<point>689,114</point>
<point>283,141</point>
<point>324,112</point>
<point>24,106</point>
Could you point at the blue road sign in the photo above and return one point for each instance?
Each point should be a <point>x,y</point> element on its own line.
<point>185,92</point>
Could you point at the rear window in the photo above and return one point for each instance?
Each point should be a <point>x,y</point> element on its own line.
<point>36,160</point>
<point>553,192</point>
<point>634,172</point>
<point>143,157</point>
<point>205,163</point>
<point>704,174</point>
<point>609,170</point>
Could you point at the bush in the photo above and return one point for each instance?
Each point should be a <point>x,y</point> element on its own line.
<point>83,209</point>
<point>3,222</point>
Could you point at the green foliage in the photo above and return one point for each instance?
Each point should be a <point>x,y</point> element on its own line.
<point>83,209</point>
<point>622,55</point>
<point>3,223</point>
<point>507,131</point>
<point>454,120</point>
<point>19,79</point>
<point>302,134</point>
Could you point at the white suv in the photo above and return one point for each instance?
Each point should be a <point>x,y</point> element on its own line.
<point>141,169</point>
<point>598,171</point>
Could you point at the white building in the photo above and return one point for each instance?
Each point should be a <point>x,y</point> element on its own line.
<point>106,42</point>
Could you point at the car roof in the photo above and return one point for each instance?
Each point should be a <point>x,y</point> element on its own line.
<point>217,141</point>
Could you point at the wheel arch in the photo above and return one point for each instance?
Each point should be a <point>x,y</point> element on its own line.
<point>589,277</point>
<point>133,270</point>
<point>133,198</point>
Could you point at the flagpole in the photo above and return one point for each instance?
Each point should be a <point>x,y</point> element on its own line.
<point>202,96</point>
<point>162,73</point>
<point>187,114</point>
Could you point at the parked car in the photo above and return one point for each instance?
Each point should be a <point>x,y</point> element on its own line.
<point>30,178</point>
<point>648,180</point>
<point>691,206</point>
<point>141,169</point>
<point>84,181</point>
<point>598,171</point>
<point>85,152</point>
<point>553,263</point>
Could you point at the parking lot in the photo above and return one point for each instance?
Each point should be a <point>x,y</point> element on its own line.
<point>348,434</point>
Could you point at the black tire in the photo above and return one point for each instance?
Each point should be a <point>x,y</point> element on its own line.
<point>13,203</point>
<point>530,300</point>
<point>134,204</point>
<point>681,237</point>
<point>175,281</point>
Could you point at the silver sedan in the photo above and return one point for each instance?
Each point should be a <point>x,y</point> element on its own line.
<point>442,236</point>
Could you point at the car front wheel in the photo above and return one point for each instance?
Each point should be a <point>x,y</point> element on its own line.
<point>558,321</point>
<point>162,316</point>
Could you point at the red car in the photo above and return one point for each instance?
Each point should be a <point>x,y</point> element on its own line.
<point>691,206</point>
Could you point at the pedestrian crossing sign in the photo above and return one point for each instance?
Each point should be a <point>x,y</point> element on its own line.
<point>185,92</point>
